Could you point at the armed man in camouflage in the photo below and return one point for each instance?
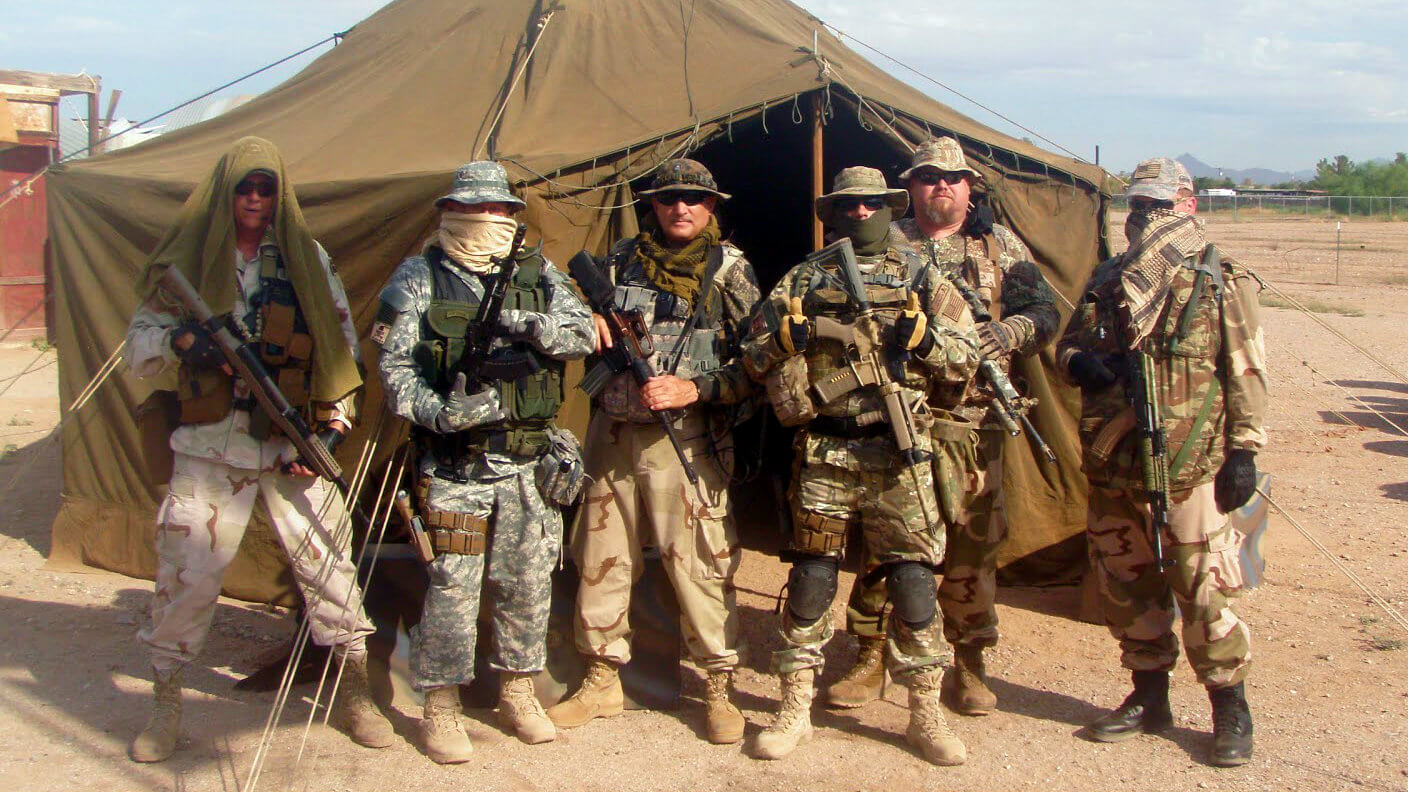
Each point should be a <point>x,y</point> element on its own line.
<point>1172,318</point>
<point>243,245</point>
<point>961,240</point>
<point>489,487</point>
<point>856,383</point>
<point>693,292</point>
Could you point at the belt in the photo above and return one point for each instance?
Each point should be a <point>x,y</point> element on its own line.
<point>518,442</point>
<point>847,428</point>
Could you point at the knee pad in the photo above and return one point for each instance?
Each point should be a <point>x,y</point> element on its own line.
<point>913,593</point>
<point>811,586</point>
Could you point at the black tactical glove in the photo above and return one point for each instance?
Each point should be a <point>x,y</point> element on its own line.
<point>1236,480</point>
<point>996,339</point>
<point>1090,372</point>
<point>794,332</point>
<point>519,325</point>
<point>202,353</point>
<point>464,410</point>
<point>330,439</point>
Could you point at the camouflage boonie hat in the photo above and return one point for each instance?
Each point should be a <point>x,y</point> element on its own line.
<point>478,182</point>
<point>942,154</point>
<point>684,175</point>
<point>860,181</point>
<point>1159,178</point>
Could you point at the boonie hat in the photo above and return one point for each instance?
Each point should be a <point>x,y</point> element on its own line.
<point>860,181</point>
<point>481,181</point>
<point>684,175</point>
<point>942,154</point>
<point>1159,178</point>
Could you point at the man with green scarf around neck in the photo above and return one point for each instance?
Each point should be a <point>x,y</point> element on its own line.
<point>694,293</point>
<point>241,241</point>
<point>851,475</point>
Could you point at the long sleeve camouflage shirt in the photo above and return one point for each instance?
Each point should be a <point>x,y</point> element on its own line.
<point>1218,370</point>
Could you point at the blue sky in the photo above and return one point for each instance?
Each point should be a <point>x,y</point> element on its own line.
<point>1238,83</point>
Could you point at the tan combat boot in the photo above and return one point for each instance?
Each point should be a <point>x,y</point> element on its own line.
<point>928,731</point>
<point>519,707</point>
<point>158,740</point>
<point>969,689</point>
<point>355,711</point>
<point>441,731</point>
<point>724,721</point>
<point>600,696</point>
<point>793,724</point>
<point>865,682</point>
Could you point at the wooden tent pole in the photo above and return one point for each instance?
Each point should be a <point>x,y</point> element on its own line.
<point>817,184</point>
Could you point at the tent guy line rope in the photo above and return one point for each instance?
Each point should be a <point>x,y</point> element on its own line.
<point>1341,336</point>
<point>542,25</point>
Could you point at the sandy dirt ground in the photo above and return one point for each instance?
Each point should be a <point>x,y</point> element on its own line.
<point>1328,689</point>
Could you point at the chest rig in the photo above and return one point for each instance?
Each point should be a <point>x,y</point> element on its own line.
<point>677,347</point>
<point>529,383</point>
<point>278,333</point>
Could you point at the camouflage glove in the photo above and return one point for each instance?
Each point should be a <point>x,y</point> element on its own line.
<point>464,410</point>
<point>912,328</point>
<point>202,353</point>
<point>996,339</point>
<point>520,325</point>
<point>1235,481</point>
<point>794,332</point>
<point>1090,372</point>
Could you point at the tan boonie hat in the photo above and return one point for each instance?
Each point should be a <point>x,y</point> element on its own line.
<point>684,175</point>
<point>860,181</point>
<point>942,154</point>
<point>1159,178</point>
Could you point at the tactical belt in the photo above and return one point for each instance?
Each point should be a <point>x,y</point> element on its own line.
<point>518,442</point>
<point>450,532</point>
<point>954,429</point>
<point>846,428</point>
<point>817,533</point>
<point>248,404</point>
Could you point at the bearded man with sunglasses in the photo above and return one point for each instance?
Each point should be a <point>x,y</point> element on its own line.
<point>693,293</point>
<point>959,238</point>
<point>812,345</point>
<point>242,243</point>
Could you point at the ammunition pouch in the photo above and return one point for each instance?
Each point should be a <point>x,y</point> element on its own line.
<point>206,394</point>
<point>451,533</point>
<point>818,534</point>
<point>560,472</point>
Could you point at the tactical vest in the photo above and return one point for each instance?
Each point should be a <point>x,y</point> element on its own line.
<point>530,401</point>
<point>278,333</point>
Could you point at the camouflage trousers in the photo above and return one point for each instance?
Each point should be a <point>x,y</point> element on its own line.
<point>639,496</point>
<point>968,591</point>
<point>898,516</point>
<point>1139,599</point>
<point>514,572</point>
<point>198,532</point>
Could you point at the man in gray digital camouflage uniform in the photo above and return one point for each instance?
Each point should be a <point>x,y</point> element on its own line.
<point>960,238</point>
<point>1173,313</point>
<point>848,378</point>
<point>488,449</point>
<point>694,292</point>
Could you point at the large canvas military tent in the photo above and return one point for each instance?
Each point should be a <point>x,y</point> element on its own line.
<point>579,100</point>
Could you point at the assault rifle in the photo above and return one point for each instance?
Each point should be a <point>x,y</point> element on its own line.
<point>245,364</point>
<point>1007,404</point>
<point>477,363</point>
<point>1141,388</point>
<point>630,346</point>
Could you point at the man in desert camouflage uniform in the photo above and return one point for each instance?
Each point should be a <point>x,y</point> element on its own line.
<point>487,448</point>
<point>693,292</point>
<point>812,347</point>
<point>961,240</point>
<point>1171,309</point>
<point>241,242</point>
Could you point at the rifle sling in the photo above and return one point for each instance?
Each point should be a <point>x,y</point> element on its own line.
<point>1185,450</point>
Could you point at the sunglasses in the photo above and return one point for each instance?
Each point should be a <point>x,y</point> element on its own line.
<point>690,198</point>
<point>264,188</point>
<point>872,202</point>
<point>932,177</point>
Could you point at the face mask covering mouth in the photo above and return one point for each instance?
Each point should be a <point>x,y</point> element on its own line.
<point>473,240</point>
<point>867,236</point>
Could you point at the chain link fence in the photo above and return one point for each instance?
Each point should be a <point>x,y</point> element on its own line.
<point>1384,207</point>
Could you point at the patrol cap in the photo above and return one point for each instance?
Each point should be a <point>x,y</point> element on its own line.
<point>860,181</point>
<point>684,175</point>
<point>1159,178</point>
<point>481,181</point>
<point>944,154</point>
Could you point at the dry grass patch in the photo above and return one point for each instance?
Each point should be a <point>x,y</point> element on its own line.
<point>1311,304</point>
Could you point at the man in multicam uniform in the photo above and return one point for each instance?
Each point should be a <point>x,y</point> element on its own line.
<point>242,244</point>
<point>849,471</point>
<point>950,233</point>
<point>485,447</point>
<point>1195,316</point>
<point>639,496</point>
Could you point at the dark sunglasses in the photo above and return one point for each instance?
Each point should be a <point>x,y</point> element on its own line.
<point>872,202</point>
<point>265,189</point>
<point>690,198</point>
<point>932,177</point>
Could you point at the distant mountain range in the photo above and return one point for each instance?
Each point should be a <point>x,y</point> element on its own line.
<point>1259,176</point>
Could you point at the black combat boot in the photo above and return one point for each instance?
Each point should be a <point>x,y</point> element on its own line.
<point>1143,711</point>
<point>1231,726</point>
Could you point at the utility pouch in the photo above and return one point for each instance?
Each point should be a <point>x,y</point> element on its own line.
<point>560,472</point>
<point>787,392</point>
<point>206,394</point>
